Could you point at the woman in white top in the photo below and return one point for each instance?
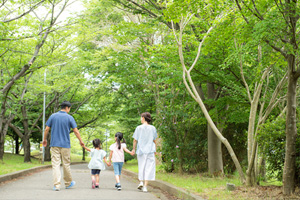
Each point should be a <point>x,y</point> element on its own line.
<point>144,138</point>
<point>96,163</point>
<point>117,156</point>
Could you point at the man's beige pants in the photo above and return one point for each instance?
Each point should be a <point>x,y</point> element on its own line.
<point>58,154</point>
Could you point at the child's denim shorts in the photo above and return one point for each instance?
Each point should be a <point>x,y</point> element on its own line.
<point>118,167</point>
<point>95,171</point>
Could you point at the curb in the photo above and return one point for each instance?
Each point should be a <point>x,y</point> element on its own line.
<point>169,188</point>
<point>17,174</point>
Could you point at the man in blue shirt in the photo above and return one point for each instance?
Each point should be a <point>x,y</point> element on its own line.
<point>60,124</point>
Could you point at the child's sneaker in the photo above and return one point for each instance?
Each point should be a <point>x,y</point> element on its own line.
<point>97,186</point>
<point>119,186</point>
<point>140,186</point>
<point>145,189</point>
<point>116,185</point>
<point>93,184</point>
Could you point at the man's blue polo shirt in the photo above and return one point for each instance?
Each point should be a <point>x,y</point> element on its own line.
<point>60,124</point>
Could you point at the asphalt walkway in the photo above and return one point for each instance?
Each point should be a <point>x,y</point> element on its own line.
<point>38,186</point>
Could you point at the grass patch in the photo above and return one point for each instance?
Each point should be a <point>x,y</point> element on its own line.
<point>132,165</point>
<point>12,162</point>
<point>210,187</point>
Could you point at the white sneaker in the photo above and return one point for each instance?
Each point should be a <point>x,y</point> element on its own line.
<point>145,189</point>
<point>140,186</point>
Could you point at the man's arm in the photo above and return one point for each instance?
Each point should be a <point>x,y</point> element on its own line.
<point>88,149</point>
<point>76,131</point>
<point>46,135</point>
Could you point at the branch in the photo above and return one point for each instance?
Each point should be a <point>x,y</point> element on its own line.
<point>244,80</point>
<point>16,130</point>
<point>276,48</point>
<point>154,5</point>
<point>261,17</point>
<point>4,53</point>
<point>88,122</point>
<point>142,7</point>
<point>14,39</point>
<point>272,102</point>
<point>195,95</point>
<point>251,10</point>
<point>3,3</point>
<point>25,13</point>
<point>297,74</point>
<point>81,103</point>
<point>26,67</point>
<point>240,8</point>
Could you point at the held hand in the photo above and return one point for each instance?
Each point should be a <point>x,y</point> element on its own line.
<point>45,143</point>
<point>81,144</point>
<point>132,152</point>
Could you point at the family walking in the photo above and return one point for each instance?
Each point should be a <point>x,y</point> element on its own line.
<point>144,146</point>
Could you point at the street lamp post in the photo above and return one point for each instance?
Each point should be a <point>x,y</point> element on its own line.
<point>106,134</point>
<point>44,111</point>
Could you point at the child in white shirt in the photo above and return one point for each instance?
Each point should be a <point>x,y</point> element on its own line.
<point>96,163</point>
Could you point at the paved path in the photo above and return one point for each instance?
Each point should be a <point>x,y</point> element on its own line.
<point>38,186</point>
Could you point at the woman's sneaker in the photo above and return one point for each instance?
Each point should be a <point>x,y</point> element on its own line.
<point>140,186</point>
<point>145,189</point>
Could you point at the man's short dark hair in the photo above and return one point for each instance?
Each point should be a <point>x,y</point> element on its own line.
<point>65,104</point>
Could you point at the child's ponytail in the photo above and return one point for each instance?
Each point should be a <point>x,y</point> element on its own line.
<point>119,137</point>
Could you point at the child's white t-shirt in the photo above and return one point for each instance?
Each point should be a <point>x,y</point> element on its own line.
<point>118,154</point>
<point>97,159</point>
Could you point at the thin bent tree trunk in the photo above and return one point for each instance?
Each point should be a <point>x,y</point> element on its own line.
<point>193,92</point>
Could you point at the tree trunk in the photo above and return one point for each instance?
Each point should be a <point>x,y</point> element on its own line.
<point>26,145</point>
<point>2,138</point>
<point>17,144</point>
<point>291,131</point>
<point>250,174</point>
<point>12,147</point>
<point>83,154</point>
<point>1,146</point>
<point>190,86</point>
<point>179,156</point>
<point>47,156</point>
<point>261,168</point>
<point>215,160</point>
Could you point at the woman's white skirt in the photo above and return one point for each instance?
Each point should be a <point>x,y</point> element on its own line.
<point>146,164</point>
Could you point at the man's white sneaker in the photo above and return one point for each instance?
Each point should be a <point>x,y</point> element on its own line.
<point>140,186</point>
<point>145,189</point>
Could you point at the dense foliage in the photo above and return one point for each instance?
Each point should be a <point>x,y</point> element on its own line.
<point>117,59</point>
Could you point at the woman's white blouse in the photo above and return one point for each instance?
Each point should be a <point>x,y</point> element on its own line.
<point>145,134</point>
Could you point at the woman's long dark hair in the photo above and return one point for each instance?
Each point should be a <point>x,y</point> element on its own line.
<point>119,137</point>
<point>97,143</point>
